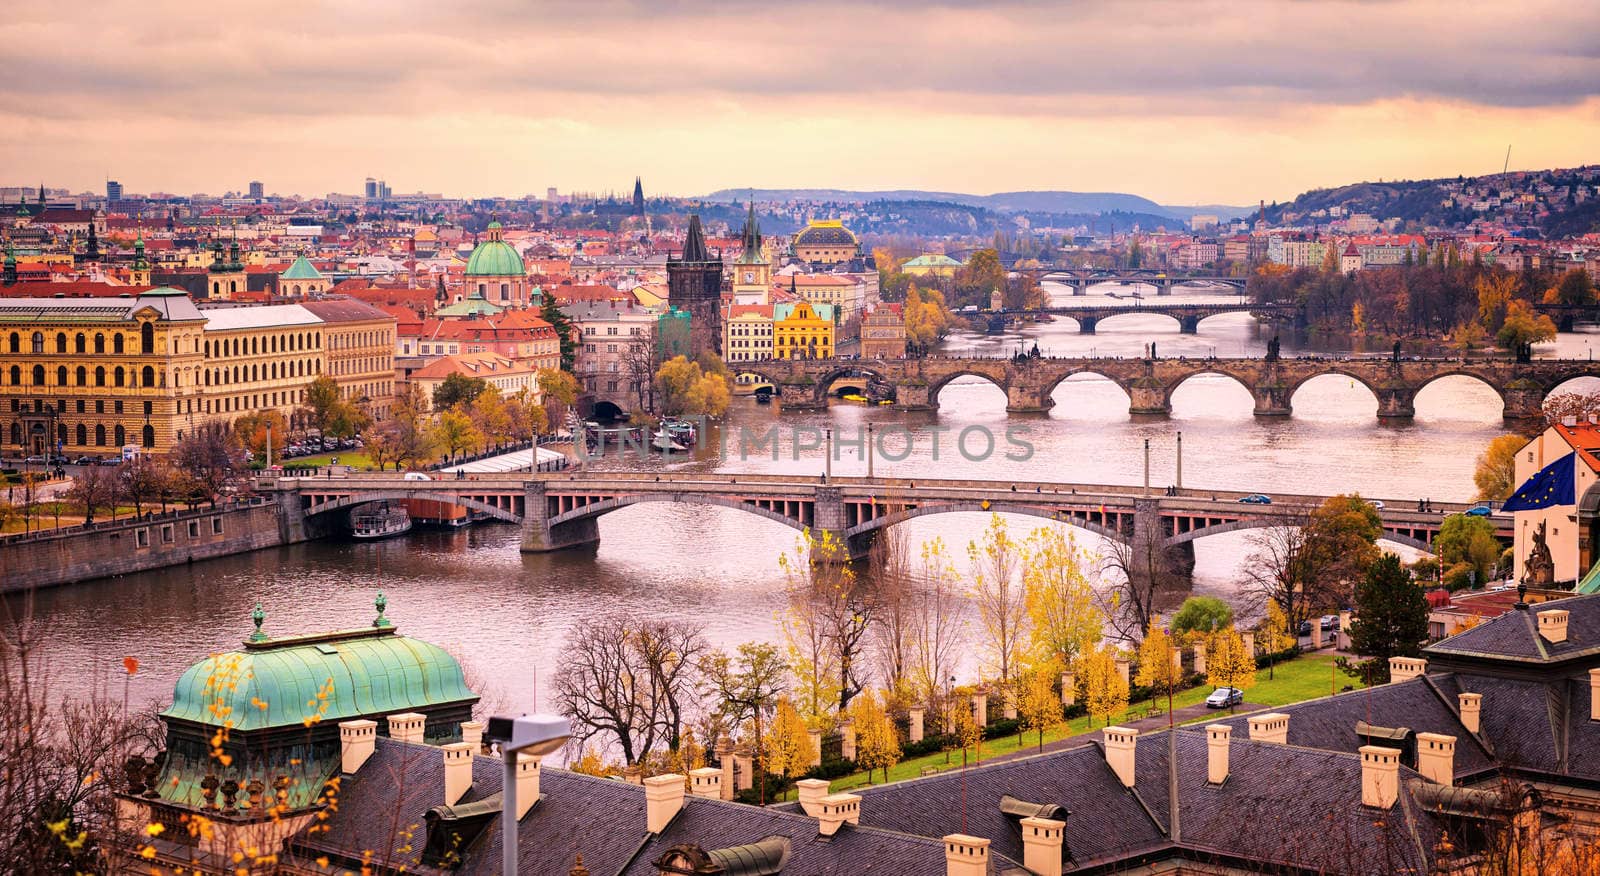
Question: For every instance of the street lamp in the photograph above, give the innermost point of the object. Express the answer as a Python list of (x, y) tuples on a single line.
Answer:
[(537, 735)]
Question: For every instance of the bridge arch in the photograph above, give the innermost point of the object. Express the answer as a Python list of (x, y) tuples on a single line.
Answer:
[(1268, 522), (854, 371), (1335, 371), (366, 496), (605, 506), (866, 528), (1559, 383), (1499, 391), (944, 380), (1177, 384), (1048, 391)]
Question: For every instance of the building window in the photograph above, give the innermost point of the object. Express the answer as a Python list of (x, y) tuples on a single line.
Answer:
[(78, 343), (38, 342), (117, 346), (194, 529), (141, 537), (216, 525), (121, 435), (166, 533), (147, 338)]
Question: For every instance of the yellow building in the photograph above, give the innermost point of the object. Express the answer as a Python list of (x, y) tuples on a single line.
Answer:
[(802, 330), (826, 241), (747, 333), (97, 373), (360, 352), (259, 359), (935, 264)]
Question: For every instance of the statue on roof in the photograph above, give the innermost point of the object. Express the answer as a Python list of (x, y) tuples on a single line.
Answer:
[(1538, 570)]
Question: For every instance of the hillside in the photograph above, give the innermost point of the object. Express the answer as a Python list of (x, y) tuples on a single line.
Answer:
[(1560, 202), (1039, 202)]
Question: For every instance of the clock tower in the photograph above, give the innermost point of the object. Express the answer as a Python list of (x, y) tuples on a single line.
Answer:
[(752, 273)]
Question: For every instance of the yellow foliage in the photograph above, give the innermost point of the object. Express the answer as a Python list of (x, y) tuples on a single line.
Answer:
[(1228, 663), (1104, 692)]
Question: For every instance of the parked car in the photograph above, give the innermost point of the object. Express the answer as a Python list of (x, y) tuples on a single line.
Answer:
[(34, 460), (86, 460), (1256, 499), (1330, 622), (1305, 628), (417, 476), (1375, 503), (1224, 697), (1478, 511), (109, 460)]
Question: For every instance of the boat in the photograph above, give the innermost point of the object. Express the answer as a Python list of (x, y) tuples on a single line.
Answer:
[(379, 520), (663, 441), (678, 430), (763, 398), (854, 397)]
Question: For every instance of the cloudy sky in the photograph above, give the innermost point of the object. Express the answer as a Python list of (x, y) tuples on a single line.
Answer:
[(1189, 101)]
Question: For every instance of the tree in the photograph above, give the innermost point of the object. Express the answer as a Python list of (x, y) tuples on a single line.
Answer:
[(1310, 560), (142, 479), (877, 743), (455, 433), (526, 419), (211, 457), (1158, 669), (1104, 692), (1038, 705), (1201, 615), (559, 390), (1574, 289), (1000, 597), (1141, 577), (927, 319), (1579, 406), (1228, 662), (1391, 619), (1464, 538), (684, 389), (1273, 636), (490, 415), (938, 626), (1496, 471), (1524, 326), (259, 429), (1064, 617), (552, 313), (789, 742), (93, 488), (619, 682), (745, 686), (457, 389), (405, 437), (889, 570), (966, 726), (830, 612), (322, 398)]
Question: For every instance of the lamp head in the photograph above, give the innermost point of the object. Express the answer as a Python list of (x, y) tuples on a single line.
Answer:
[(536, 735)]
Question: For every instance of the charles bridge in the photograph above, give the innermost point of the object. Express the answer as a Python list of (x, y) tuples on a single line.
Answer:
[(1079, 280), (1150, 382), (561, 510), (1188, 316)]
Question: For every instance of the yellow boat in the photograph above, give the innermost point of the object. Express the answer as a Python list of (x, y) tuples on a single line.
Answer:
[(855, 398)]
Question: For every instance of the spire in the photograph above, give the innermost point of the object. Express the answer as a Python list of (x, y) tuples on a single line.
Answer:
[(41, 196), (92, 251), (694, 246), (638, 197), (752, 238)]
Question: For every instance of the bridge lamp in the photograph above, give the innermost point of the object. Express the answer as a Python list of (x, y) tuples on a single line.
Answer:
[(536, 735)]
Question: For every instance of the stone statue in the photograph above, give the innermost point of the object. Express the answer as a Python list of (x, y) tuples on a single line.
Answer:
[(1396, 351), (1272, 349), (1538, 570)]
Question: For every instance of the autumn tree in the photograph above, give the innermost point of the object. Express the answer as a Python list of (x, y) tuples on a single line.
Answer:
[(1064, 617), (141, 480), (94, 487), (1496, 290), (1313, 558), (1158, 669), (625, 683), (877, 742), (1523, 325), (1105, 693), (830, 612), (890, 575), (490, 415), (1228, 662), (455, 433), (1391, 620), (211, 456), (559, 391), (966, 727), (683, 388), (1465, 538), (1038, 704), (1580, 406), (259, 430), (1273, 634), (745, 686), (938, 626), (1495, 473), (1000, 598), (788, 744), (927, 319), (1574, 289)]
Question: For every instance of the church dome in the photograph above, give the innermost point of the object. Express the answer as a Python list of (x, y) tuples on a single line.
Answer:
[(495, 258), (825, 233)]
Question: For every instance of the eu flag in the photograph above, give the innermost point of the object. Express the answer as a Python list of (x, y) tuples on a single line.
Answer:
[(1552, 485)]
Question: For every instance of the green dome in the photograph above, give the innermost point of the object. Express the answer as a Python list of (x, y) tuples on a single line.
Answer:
[(163, 292), (495, 258), (271, 683)]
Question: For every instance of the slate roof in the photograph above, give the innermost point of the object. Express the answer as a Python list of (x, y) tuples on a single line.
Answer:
[(603, 819), (1514, 636)]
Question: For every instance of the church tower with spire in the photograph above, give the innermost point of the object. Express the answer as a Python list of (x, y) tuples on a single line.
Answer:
[(139, 272), (638, 196), (694, 284), (752, 271)]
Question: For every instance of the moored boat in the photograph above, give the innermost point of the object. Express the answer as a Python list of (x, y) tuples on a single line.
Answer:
[(379, 520)]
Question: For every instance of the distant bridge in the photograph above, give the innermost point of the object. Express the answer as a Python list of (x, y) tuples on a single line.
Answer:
[(561, 510), (1079, 281), (1150, 383), (1188, 316)]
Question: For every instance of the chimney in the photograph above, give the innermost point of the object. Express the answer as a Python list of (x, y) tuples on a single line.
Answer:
[(1069, 689), (1042, 839), (1436, 757), (1594, 695), (1200, 658), (457, 771), (406, 727), (1120, 742), (706, 782), (1553, 625), (1380, 776), (356, 741), (837, 810), (472, 734), (1472, 708), (1406, 668), (1271, 727), (527, 783), (811, 792), (966, 855), (1217, 736), (663, 797)]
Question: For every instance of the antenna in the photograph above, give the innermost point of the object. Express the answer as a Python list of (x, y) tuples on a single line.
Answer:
[(1507, 165)]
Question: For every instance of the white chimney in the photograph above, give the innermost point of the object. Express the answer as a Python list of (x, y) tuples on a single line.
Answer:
[(1120, 743), (663, 797), (1042, 839), (966, 855), (706, 782), (1553, 625), (1380, 776), (811, 792), (527, 783), (1436, 757), (356, 742), (1271, 727), (406, 727), (457, 770), (1472, 708), (816, 746), (1406, 668), (1594, 694), (1217, 736), (838, 810), (1069, 689), (472, 734)]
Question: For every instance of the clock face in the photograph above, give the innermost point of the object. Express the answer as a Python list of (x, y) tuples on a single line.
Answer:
[(749, 277)]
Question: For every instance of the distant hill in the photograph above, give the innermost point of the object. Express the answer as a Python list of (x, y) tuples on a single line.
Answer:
[(1089, 203)]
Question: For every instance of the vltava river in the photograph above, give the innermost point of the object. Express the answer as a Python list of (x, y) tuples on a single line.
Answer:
[(506, 614)]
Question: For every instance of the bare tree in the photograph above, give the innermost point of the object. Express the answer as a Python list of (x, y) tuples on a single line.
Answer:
[(832, 609), (1143, 578), (938, 625), (889, 570), (93, 488), (629, 683)]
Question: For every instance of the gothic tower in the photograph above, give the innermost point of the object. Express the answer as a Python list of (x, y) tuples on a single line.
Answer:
[(638, 197), (694, 284), (752, 272)]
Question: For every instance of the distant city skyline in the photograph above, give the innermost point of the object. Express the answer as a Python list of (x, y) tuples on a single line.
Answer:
[(1182, 103)]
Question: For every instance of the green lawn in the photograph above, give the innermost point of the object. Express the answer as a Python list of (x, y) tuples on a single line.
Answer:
[(356, 459), (1303, 678)]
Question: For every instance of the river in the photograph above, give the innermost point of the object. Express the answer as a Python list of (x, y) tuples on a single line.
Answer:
[(506, 614)]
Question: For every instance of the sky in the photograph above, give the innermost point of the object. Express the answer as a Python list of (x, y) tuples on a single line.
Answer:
[(1184, 102)]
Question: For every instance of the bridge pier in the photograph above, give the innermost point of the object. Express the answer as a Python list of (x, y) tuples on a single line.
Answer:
[(1524, 402), (1163, 287), (913, 395), (802, 395), (538, 536), (1148, 395), (1027, 400), (1086, 324), (1396, 402), (1189, 325), (1271, 398)]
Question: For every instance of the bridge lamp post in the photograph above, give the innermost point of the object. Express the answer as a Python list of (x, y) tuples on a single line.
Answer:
[(871, 451), (827, 452), (1147, 468), (535, 735)]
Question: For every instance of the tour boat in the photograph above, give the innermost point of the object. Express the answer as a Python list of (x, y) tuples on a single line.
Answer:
[(663, 441), (681, 431), (379, 521)]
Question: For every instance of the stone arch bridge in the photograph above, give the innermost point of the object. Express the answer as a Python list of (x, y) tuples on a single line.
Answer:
[(1150, 383), (1079, 281), (1188, 316), (561, 510)]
